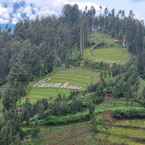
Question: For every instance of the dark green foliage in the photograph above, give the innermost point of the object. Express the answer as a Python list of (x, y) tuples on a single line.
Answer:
[(60, 107), (127, 83), (28, 110), (63, 106), (99, 125), (141, 98), (117, 69), (133, 113), (33, 132), (16, 86)]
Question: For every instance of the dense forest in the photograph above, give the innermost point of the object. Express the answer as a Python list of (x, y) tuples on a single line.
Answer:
[(37, 47)]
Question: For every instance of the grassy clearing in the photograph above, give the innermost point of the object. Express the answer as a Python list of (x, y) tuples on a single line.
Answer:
[(36, 94), (111, 52), (75, 76), (81, 77), (107, 55)]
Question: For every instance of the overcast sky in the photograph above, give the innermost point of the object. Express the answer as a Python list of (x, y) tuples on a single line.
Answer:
[(54, 6)]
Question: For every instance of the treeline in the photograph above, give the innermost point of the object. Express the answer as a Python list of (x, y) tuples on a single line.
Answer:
[(44, 43), (55, 41)]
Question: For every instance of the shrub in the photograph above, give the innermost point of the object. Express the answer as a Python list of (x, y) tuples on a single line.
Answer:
[(63, 107), (30, 132), (132, 113)]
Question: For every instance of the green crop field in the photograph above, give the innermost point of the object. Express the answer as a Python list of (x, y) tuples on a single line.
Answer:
[(79, 77), (110, 52), (126, 132), (36, 94), (108, 55)]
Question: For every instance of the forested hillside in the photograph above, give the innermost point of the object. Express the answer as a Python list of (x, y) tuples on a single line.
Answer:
[(80, 72)]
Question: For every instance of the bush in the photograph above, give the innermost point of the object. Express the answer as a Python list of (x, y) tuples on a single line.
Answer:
[(30, 132), (132, 113), (97, 65), (64, 107)]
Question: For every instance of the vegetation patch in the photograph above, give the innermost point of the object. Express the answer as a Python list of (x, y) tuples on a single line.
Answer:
[(36, 94), (107, 55), (137, 123), (103, 48), (102, 38), (129, 113), (81, 77), (62, 120), (62, 82)]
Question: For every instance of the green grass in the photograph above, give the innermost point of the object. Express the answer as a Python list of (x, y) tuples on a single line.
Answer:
[(132, 123), (36, 94), (127, 132), (112, 52), (125, 136), (115, 105), (101, 37), (81, 77), (121, 140), (107, 55)]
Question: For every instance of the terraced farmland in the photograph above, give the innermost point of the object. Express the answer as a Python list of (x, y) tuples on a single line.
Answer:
[(127, 132), (36, 94), (81, 134), (62, 82), (76, 76)]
